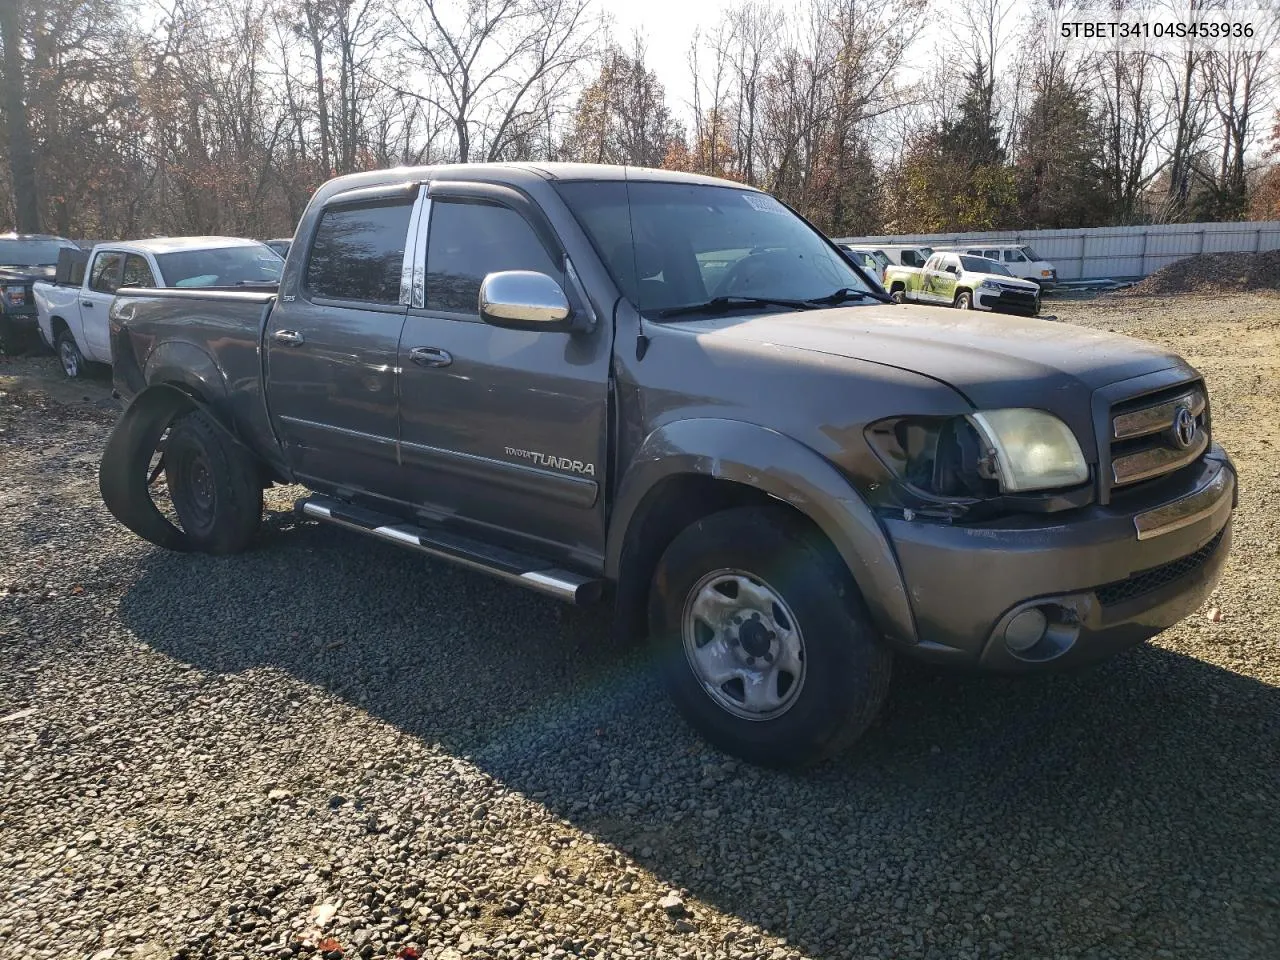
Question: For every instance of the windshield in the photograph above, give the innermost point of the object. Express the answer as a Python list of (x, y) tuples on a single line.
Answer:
[(983, 265), (221, 266), (1030, 254), (32, 253), (670, 245)]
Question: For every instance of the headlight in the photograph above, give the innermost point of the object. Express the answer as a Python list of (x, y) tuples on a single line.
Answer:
[(1034, 449), (989, 285), (980, 456)]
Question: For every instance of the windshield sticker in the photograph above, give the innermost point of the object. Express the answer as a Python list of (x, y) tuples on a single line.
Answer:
[(764, 203)]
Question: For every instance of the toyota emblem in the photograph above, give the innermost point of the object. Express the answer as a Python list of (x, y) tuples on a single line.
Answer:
[(1184, 427)]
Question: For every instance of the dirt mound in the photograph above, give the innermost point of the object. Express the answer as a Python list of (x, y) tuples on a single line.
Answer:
[(1213, 273)]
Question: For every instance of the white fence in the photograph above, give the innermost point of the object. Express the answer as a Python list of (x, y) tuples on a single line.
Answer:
[(1116, 252)]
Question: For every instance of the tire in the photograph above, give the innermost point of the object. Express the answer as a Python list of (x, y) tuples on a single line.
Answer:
[(837, 683), (898, 296), (214, 484), (964, 300), (70, 359)]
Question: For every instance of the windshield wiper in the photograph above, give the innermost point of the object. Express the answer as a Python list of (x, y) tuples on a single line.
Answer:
[(843, 294), (718, 305)]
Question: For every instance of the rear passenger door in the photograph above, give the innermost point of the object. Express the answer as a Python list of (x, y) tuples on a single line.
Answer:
[(502, 431), (331, 347)]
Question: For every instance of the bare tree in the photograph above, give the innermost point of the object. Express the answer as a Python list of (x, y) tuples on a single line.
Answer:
[(21, 158), (496, 66)]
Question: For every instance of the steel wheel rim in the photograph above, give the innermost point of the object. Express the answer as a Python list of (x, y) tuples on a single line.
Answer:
[(743, 644), (70, 363), (197, 493)]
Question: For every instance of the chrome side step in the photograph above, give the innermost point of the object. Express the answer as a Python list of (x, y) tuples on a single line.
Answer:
[(517, 568)]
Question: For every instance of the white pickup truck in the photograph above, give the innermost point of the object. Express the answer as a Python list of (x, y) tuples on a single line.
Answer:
[(72, 311), (969, 283)]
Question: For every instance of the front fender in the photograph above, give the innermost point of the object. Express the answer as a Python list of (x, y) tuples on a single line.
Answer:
[(775, 464)]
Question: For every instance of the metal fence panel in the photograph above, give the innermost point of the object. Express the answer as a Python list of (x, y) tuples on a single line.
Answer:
[(1119, 252)]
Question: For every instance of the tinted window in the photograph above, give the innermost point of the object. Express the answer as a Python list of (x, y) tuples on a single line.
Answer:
[(1013, 256), (1030, 254), (136, 272), (31, 253), (105, 276), (910, 258), (467, 241), (359, 251)]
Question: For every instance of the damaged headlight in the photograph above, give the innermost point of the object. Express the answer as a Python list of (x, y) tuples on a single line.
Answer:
[(1034, 450), (980, 456)]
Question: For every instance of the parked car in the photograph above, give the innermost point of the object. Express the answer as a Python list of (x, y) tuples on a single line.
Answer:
[(280, 245), (873, 261), (547, 374), (72, 314), (24, 259), (1018, 258), (969, 283)]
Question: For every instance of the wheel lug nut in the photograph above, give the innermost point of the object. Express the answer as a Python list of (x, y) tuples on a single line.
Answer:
[(751, 661), (768, 657)]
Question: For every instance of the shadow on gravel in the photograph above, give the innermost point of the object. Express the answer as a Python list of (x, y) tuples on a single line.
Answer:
[(1120, 809)]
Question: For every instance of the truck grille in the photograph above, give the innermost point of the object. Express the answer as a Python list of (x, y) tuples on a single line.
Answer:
[(1158, 434), (1157, 577)]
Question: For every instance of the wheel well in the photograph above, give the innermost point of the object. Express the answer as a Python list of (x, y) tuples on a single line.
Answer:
[(896, 286), (57, 325), (671, 506), (960, 290)]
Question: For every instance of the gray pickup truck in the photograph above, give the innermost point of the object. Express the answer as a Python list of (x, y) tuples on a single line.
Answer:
[(673, 391)]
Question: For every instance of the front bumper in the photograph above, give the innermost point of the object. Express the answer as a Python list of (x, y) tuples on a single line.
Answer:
[(1100, 586), (1027, 304)]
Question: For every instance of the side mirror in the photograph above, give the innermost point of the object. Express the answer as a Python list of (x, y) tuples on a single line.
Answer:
[(951, 268), (524, 300)]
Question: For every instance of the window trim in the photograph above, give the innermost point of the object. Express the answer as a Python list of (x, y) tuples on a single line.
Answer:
[(348, 198), (119, 270)]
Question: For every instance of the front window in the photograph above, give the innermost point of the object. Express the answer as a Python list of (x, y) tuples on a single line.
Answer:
[(982, 265), (1029, 253), (221, 266), (32, 253), (670, 245)]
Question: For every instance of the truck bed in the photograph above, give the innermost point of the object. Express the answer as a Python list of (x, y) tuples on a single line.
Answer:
[(209, 339)]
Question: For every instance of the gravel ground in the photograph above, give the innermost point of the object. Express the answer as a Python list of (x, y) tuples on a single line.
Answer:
[(327, 745)]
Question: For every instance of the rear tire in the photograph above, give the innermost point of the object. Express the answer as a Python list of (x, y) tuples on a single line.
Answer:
[(964, 300), (214, 485), (70, 359), (898, 296), (752, 595)]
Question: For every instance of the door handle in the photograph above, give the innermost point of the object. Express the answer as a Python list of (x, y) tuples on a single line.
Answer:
[(86, 303), (430, 357), (291, 338)]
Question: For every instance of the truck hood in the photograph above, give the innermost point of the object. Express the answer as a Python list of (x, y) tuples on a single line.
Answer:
[(993, 360), (1012, 282)]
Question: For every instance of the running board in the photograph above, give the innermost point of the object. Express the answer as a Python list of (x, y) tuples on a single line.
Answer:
[(518, 568)]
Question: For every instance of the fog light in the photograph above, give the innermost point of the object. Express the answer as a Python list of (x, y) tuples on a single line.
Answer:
[(1025, 630)]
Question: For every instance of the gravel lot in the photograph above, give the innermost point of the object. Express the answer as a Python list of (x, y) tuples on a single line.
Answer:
[(328, 745)]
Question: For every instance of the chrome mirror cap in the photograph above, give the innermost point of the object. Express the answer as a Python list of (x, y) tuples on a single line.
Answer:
[(525, 300)]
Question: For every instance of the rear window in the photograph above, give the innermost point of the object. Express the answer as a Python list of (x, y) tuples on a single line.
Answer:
[(31, 253), (221, 266), (359, 251)]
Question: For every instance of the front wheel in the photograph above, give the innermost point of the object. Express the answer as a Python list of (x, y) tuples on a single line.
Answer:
[(766, 646), (214, 484), (964, 300)]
